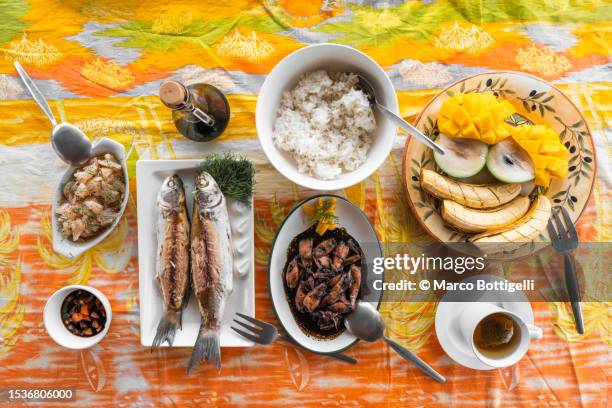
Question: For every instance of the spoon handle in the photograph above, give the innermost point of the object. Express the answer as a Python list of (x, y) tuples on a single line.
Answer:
[(413, 358), (35, 92), (416, 133)]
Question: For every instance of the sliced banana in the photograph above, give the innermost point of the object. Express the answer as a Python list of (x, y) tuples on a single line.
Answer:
[(525, 229), (472, 221), (470, 195)]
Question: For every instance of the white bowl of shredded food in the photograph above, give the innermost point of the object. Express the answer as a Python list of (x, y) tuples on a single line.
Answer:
[(71, 245), (315, 124)]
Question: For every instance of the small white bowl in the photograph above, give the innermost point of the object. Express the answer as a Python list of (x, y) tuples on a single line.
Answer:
[(284, 76), (52, 317), (65, 246)]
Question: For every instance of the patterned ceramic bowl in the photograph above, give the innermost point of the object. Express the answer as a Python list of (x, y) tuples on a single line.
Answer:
[(536, 101)]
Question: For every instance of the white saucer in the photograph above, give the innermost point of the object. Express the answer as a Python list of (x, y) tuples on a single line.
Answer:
[(448, 330)]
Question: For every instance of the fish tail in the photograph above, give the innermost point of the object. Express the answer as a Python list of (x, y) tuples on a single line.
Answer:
[(166, 329), (207, 348)]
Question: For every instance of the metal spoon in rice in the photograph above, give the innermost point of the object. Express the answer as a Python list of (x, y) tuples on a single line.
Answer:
[(365, 86)]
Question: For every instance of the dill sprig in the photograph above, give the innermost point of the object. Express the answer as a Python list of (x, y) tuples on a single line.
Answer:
[(322, 212), (234, 175)]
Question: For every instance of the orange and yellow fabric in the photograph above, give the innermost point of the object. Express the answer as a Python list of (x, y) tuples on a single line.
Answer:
[(100, 64)]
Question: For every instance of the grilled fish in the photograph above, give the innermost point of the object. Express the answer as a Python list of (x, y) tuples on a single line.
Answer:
[(211, 266), (172, 275)]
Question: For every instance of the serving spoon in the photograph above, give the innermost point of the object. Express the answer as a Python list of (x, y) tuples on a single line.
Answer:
[(68, 141), (367, 88), (367, 324)]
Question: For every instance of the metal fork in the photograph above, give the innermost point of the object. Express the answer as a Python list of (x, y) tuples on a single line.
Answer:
[(265, 333), (564, 240)]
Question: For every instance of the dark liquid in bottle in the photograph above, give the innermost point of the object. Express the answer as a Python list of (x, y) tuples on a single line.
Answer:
[(210, 100)]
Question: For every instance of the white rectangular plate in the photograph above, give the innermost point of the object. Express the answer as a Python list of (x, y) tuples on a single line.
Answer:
[(149, 177)]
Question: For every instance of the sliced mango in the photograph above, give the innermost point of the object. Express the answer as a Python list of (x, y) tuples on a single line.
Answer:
[(472, 102), (449, 128), (549, 155), (471, 132), (484, 121), (461, 117), (479, 116)]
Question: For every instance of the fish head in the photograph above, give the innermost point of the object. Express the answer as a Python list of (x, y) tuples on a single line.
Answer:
[(207, 192), (172, 194)]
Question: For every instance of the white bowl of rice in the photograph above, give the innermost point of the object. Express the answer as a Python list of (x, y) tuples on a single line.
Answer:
[(315, 125)]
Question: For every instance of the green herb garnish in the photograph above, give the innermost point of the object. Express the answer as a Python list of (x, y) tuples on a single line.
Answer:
[(234, 175), (323, 212)]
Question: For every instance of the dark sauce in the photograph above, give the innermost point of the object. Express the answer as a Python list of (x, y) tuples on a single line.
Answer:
[(83, 314), (304, 320)]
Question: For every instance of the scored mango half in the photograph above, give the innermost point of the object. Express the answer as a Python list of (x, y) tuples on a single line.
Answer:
[(479, 116), (549, 156)]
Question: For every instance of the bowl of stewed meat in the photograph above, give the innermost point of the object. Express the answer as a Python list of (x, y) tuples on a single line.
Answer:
[(319, 270)]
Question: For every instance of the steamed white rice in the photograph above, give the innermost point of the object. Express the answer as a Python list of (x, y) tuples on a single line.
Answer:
[(325, 123)]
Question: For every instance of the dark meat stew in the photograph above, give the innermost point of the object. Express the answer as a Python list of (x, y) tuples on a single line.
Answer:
[(322, 280)]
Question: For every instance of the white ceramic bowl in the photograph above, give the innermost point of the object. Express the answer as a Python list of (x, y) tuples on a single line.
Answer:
[(52, 316), (67, 247), (284, 76), (359, 227)]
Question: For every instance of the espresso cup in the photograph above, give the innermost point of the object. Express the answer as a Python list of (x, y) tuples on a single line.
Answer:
[(507, 355)]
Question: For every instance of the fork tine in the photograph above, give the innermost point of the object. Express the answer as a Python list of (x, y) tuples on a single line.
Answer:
[(560, 227), (249, 336), (252, 320), (569, 223), (256, 330), (551, 231)]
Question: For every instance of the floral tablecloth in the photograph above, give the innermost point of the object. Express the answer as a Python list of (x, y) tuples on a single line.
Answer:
[(101, 62)]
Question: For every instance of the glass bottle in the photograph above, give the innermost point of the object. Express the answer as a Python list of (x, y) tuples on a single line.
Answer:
[(200, 111)]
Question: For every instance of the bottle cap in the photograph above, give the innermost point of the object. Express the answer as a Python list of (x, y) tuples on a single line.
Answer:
[(172, 94)]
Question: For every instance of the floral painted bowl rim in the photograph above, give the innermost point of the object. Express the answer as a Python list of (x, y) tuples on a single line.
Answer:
[(410, 140)]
